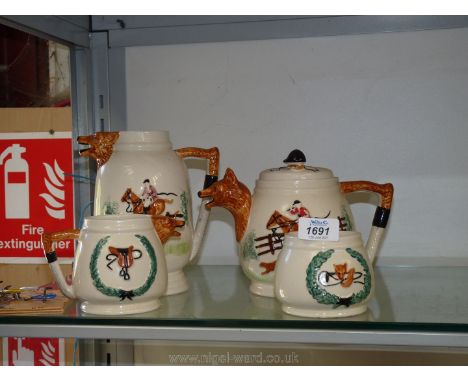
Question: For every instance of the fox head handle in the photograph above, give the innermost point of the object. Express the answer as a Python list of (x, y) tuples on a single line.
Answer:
[(101, 146)]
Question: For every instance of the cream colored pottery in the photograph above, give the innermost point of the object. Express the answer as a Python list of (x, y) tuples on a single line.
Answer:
[(281, 196), (324, 278), (140, 173), (119, 265)]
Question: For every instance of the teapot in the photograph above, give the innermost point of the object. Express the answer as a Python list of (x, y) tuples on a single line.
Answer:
[(140, 173), (119, 265), (281, 196)]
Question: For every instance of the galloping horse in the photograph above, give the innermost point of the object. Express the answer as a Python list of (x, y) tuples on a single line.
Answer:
[(138, 206), (286, 225), (275, 222), (282, 222)]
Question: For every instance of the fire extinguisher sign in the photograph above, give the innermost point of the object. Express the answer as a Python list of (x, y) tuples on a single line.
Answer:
[(36, 194), (19, 351)]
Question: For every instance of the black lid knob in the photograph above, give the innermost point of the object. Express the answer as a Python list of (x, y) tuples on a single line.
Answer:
[(295, 156)]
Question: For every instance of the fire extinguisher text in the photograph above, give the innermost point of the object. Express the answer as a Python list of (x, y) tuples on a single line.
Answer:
[(30, 229)]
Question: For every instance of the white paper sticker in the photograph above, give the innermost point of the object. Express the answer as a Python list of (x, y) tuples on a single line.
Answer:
[(319, 229)]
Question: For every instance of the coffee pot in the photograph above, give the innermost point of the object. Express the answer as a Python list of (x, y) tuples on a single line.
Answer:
[(281, 196), (140, 173)]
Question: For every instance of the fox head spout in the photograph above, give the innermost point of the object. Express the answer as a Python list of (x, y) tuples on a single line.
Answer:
[(233, 195), (101, 146)]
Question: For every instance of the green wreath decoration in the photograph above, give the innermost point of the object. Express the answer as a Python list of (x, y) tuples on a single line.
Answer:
[(324, 297), (122, 293), (365, 291)]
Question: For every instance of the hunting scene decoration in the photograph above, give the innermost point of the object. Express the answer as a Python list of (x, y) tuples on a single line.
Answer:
[(278, 225), (151, 202)]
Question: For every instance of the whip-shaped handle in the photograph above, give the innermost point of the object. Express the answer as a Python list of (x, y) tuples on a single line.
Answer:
[(211, 176), (382, 212), (47, 244)]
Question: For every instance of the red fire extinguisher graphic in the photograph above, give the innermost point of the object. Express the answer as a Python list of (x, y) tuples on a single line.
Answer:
[(16, 172)]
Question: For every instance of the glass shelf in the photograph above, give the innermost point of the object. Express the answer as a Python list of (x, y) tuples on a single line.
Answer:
[(421, 306)]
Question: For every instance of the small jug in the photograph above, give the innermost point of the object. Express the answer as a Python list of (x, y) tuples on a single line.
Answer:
[(119, 266), (324, 278)]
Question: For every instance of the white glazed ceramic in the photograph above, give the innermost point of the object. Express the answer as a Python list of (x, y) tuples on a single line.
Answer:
[(324, 278), (281, 196), (119, 265), (145, 165), (276, 190)]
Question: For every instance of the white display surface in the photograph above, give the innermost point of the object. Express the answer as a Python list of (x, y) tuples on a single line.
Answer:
[(381, 107)]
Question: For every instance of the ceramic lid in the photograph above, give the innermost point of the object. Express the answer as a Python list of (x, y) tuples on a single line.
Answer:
[(296, 169)]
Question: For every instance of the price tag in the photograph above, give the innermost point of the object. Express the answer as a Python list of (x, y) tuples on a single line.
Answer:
[(318, 229)]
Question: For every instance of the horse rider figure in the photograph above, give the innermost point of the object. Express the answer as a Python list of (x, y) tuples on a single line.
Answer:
[(149, 194), (297, 209)]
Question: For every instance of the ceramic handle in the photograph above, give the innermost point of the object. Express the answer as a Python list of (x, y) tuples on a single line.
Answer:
[(211, 176), (382, 212), (213, 161), (47, 244)]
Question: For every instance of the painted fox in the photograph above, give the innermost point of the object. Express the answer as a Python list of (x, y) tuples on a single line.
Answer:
[(346, 277), (165, 226)]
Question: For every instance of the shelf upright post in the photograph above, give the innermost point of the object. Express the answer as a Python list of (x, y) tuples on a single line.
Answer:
[(100, 81), (82, 104)]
